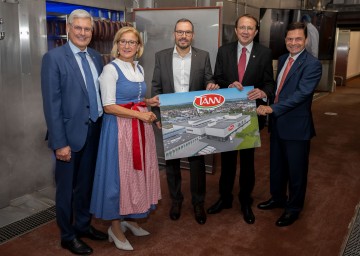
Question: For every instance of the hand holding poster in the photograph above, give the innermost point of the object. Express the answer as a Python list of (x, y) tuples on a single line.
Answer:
[(208, 122)]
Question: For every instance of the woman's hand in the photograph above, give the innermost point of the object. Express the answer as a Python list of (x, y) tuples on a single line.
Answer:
[(153, 102), (147, 117)]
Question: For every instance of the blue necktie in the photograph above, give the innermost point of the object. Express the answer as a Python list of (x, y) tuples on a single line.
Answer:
[(94, 112)]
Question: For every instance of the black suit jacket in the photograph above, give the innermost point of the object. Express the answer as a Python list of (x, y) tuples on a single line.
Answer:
[(258, 73), (163, 78)]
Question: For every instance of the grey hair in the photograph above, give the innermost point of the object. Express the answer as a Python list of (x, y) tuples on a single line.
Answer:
[(80, 13)]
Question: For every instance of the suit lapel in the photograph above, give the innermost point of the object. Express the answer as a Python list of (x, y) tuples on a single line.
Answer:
[(73, 63), (251, 64), (233, 59), (169, 67), (296, 65), (193, 64)]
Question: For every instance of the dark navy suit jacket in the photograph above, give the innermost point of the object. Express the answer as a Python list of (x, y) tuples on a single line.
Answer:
[(65, 97), (292, 116)]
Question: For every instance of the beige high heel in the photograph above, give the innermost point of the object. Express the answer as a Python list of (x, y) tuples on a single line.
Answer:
[(136, 231), (120, 245)]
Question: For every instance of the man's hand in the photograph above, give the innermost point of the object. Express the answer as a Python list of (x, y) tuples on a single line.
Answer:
[(212, 86), (236, 84), (158, 124), (256, 94), (63, 154), (263, 110)]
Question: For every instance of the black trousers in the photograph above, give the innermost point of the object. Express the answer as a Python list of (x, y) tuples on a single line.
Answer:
[(246, 178), (289, 163), (74, 182), (197, 179)]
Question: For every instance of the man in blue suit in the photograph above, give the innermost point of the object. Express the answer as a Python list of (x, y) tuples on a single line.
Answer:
[(291, 125), (72, 109)]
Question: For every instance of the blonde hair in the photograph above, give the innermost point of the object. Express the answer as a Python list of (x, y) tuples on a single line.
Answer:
[(115, 52)]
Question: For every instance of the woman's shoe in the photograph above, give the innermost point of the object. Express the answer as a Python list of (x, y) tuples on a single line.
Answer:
[(136, 231), (120, 245)]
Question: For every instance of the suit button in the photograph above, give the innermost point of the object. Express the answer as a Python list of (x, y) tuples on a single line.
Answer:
[(87, 106), (87, 122)]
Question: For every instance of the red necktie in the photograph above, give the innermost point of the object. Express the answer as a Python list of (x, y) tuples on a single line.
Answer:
[(287, 69), (242, 64)]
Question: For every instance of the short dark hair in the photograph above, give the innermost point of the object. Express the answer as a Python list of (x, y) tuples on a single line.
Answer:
[(296, 25), (184, 20), (247, 16)]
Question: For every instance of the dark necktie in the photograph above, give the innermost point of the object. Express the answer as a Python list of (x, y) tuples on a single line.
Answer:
[(242, 64), (287, 69), (94, 112)]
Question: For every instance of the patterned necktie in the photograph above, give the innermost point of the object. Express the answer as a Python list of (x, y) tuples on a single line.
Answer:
[(287, 69), (242, 64), (94, 112)]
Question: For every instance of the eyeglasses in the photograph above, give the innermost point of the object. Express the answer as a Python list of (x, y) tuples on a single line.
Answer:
[(131, 43), (79, 29), (296, 39), (180, 33), (247, 28)]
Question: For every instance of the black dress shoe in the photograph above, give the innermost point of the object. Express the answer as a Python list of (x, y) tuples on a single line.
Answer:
[(218, 206), (270, 204), (248, 214), (77, 246), (286, 219), (175, 211), (200, 215), (94, 234)]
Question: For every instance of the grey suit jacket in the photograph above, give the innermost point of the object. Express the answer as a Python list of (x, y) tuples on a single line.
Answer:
[(163, 79)]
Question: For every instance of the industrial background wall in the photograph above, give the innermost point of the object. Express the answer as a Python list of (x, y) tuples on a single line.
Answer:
[(26, 164)]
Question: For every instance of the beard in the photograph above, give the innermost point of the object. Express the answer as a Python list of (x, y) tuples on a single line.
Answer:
[(183, 46)]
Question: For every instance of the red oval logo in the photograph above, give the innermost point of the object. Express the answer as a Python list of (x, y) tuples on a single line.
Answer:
[(209, 101), (231, 127)]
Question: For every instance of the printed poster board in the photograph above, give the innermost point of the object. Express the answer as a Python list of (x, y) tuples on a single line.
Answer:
[(208, 122)]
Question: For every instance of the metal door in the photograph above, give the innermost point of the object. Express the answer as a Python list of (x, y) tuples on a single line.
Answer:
[(342, 53)]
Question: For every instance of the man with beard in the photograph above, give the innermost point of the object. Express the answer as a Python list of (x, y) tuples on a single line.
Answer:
[(183, 68)]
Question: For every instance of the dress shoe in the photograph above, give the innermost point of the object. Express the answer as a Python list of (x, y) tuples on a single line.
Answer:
[(218, 206), (77, 246), (137, 231), (94, 234), (270, 204), (286, 219), (175, 210), (120, 245), (200, 215), (248, 214)]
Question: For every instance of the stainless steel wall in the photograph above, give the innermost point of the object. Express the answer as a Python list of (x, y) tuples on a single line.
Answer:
[(26, 164), (25, 161)]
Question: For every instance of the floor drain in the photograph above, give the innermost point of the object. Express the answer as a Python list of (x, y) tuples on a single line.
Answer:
[(352, 244), (27, 224)]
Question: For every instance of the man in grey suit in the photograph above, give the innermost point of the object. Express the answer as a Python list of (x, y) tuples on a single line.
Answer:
[(73, 110), (183, 68)]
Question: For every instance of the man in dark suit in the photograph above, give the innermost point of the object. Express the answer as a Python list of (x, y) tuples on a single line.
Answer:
[(72, 109), (183, 68), (238, 64), (291, 125)]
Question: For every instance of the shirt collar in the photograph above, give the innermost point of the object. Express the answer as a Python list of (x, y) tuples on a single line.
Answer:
[(75, 49), (295, 56), (176, 52), (248, 47)]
